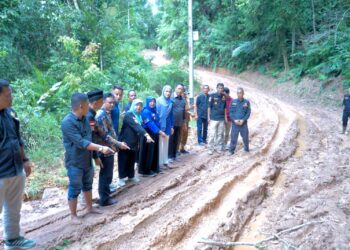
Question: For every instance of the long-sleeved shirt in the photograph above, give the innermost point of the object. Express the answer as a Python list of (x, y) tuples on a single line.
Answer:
[(11, 162), (131, 131), (105, 132), (115, 117), (202, 102), (92, 121), (150, 121), (76, 138), (240, 110)]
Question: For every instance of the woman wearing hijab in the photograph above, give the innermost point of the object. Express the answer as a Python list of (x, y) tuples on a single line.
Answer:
[(149, 160), (166, 119), (131, 133)]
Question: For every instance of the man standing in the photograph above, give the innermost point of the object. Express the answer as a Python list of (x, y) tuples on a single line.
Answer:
[(239, 113), (185, 125), (179, 106), (346, 111), (95, 103), (216, 119), (78, 145), (131, 97), (201, 115), (228, 122), (118, 95), (107, 136), (14, 167)]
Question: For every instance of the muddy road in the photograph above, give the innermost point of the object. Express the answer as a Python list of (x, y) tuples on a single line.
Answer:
[(298, 171)]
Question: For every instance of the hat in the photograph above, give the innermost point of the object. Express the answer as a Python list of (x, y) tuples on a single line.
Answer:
[(95, 95)]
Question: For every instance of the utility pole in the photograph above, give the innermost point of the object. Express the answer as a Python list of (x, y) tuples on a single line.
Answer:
[(190, 50)]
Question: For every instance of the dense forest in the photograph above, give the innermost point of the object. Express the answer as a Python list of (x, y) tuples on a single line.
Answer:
[(51, 48)]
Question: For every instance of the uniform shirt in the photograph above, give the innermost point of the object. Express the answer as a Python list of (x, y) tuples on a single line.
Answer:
[(179, 109), (115, 117), (217, 105), (11, 162), (76, 138), (202, 102), (131, 131), (346, 103), (105, 132), (240, 110), (150, 121), (92, 121), (228, 104)]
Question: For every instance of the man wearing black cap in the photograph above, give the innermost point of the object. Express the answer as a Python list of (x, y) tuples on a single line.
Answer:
[(107, 136)]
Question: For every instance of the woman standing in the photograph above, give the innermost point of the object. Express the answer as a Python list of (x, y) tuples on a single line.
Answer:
[(166, 118), (131, 133), (149, 160)]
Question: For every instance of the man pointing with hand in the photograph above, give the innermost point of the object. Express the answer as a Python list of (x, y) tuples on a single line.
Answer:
[(77, 141)]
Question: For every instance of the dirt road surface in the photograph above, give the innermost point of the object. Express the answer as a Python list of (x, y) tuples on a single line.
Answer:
[(297, 172)]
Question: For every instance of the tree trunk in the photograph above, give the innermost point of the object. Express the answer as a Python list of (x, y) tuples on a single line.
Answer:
[(293, 40), (76, 5), (313, 17), (285, 58)]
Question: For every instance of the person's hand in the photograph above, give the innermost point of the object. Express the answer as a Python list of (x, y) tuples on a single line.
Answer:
[(196, 116), (124, 146), (107, 150), (28, 167), (162, 134), (237, 122), (172, 131), (149, 139), (208, 121), (98, 162)]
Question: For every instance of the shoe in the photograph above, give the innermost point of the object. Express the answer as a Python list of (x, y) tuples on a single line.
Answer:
[(184, 151), (109, 202), (230, 152), (343, 131), (19, 243), (201, 144), (134, 180), (121, 183), (246, 151), (151, 174), (228, 147), (170, 160), (113, 187), (210, 152)]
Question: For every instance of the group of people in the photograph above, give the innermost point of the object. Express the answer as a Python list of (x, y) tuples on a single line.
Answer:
[(151, 137)]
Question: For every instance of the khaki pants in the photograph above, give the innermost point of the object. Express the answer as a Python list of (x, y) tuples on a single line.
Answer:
[(183, 136), (228, 126), (216, 135), (11, 195)]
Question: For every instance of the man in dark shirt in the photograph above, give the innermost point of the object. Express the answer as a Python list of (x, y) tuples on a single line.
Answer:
[(239, 112), (78, 145), (14, 167), (216, 119), (179, 109), (201, 115), (131, 96), (106, 136), (346, 111)]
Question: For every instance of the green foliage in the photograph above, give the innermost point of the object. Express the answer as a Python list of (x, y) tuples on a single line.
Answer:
[(242, 34)]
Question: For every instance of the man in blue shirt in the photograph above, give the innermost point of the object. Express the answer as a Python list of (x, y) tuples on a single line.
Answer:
[(118, 92), (14, 167), (239, 113), (78, 145), (201, 114)]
